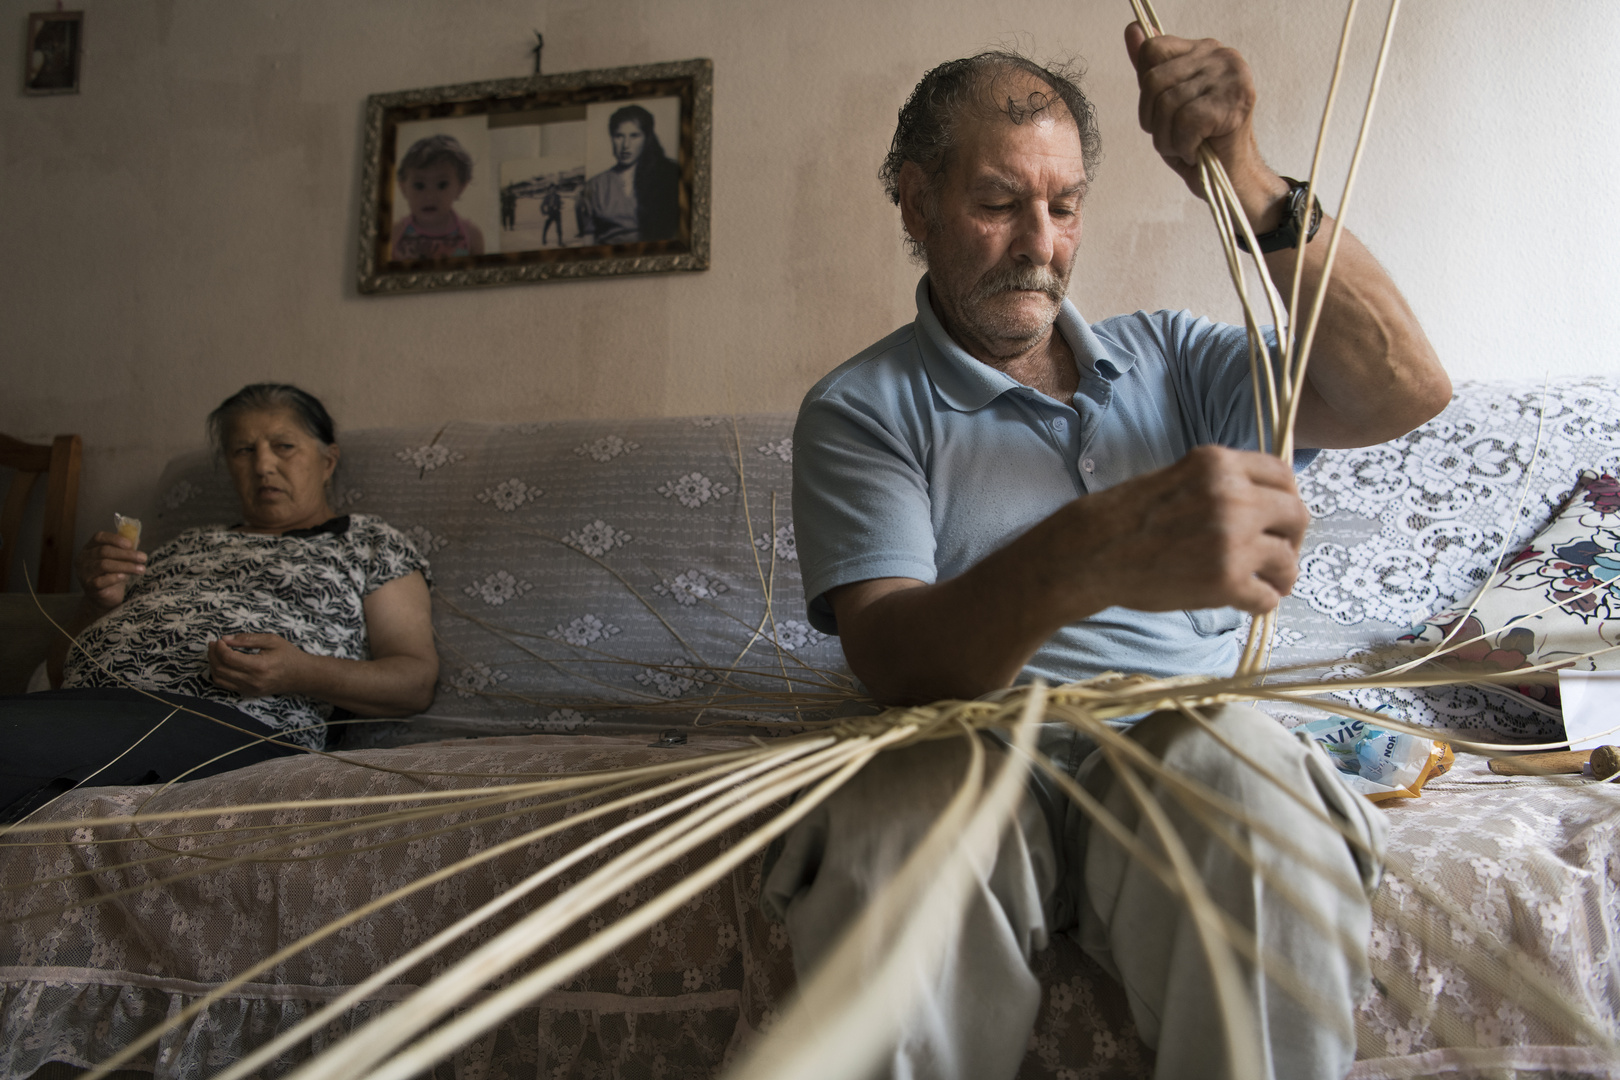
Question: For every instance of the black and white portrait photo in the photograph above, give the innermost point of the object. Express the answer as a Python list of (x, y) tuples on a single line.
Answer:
[(632, 194)]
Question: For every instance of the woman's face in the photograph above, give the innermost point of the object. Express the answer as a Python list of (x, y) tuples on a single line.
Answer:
[(628, 142), (280, 471)]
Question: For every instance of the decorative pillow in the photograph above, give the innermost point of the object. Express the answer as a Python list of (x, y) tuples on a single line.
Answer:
[(1553, 602)]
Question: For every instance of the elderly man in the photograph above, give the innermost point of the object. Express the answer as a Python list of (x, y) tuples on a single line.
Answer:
[(1000, 491)]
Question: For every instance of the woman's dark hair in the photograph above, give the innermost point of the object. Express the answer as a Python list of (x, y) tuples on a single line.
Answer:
[(312, 415), (657, 178), (927, 129)]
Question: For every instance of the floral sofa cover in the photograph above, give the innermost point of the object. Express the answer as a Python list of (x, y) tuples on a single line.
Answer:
[(590, 576), (613, 592)]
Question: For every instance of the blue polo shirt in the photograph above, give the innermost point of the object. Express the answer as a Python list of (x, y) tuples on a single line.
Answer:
[(915, 460)]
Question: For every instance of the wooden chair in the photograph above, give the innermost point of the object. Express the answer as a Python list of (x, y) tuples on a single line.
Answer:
[(60, 462)]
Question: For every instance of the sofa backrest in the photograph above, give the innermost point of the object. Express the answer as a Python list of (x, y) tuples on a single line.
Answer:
[(589, 574), (592, 574)]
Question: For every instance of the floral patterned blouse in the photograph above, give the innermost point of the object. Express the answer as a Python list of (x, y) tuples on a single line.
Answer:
[(309, 586)]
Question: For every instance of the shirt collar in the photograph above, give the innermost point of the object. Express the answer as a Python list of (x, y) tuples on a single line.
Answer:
[(334, 526), (967, 384)]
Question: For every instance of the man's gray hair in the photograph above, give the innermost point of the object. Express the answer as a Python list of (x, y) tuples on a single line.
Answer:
[(927, 129)]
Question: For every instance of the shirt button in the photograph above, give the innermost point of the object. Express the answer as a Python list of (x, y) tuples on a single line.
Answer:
[(1059, 424), (1089, 465)]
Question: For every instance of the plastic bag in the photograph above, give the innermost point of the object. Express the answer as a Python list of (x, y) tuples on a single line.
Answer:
[(1377, 763)]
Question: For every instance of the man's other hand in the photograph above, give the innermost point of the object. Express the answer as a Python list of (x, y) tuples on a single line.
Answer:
[(1218, 528)]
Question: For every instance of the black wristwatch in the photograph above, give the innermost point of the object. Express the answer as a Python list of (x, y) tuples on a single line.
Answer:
[(1287, 234)]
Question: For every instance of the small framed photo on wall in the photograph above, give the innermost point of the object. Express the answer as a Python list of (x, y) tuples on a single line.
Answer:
[(554, 176), (51, 49)]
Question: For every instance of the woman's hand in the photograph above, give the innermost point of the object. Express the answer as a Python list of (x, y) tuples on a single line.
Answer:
[(106, 565), (275, 666), (398, 680)]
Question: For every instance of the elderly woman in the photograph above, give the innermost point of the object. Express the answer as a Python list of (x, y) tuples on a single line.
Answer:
[(264, 627)]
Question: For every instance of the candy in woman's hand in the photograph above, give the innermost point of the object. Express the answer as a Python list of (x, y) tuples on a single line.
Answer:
[(129, 528)]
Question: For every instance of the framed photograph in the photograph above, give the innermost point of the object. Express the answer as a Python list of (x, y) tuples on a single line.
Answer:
[(553, 176), (51, 49)]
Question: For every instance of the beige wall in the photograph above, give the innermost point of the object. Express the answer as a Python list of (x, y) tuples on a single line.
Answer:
[(185, 225)]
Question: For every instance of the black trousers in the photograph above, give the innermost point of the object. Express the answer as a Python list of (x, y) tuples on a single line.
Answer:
[(53, 741)]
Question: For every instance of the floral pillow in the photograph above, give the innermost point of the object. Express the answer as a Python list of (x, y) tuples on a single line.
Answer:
[(1554, 602)]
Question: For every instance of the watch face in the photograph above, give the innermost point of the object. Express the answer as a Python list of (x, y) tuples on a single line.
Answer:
[(1294, 223), (1304, 215), (1314, 221), (1296, 216)]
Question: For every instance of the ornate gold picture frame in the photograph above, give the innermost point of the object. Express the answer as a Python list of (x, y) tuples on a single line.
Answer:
[(554, 176)]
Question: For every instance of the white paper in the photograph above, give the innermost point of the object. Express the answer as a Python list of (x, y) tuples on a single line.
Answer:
[(1591, 706)]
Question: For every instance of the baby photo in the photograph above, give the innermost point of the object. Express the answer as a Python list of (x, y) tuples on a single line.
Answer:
[(441, 191)]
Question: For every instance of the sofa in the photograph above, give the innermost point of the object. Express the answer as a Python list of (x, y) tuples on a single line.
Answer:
[(616, 592)]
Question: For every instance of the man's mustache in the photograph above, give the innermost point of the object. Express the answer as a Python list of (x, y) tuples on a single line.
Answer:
[(1040, 279)]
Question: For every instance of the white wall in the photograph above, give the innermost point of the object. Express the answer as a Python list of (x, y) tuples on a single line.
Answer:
[(185, 224)]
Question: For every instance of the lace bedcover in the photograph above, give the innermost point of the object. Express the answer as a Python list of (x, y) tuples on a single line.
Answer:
[(1406, 528), (685, 997), (81, 983)]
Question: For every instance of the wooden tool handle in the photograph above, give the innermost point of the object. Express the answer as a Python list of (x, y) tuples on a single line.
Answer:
[(1605, 762), (1558, 761)]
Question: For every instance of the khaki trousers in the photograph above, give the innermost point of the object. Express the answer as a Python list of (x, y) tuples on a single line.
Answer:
[(1055, 873)]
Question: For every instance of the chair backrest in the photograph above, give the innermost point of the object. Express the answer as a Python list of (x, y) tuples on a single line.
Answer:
[(60, 463)]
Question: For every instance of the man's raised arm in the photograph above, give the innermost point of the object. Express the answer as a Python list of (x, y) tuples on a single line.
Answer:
[(1373, 376)]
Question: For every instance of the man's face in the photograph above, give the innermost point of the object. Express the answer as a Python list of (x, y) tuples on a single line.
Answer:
[(627, 143), (431, 193), (1003, 230)]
